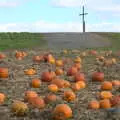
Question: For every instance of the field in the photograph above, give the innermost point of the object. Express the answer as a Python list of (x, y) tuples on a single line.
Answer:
[(26, 61)]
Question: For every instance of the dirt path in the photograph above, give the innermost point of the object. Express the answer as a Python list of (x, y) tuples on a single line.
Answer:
[(75, 40)]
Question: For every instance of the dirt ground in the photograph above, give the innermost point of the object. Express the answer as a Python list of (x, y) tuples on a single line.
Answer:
[(17, 83)]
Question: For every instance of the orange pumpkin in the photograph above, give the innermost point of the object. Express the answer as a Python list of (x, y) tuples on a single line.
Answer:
[(72, 71), (37, 102), (36, 83), (69, 96), (79, 77), (19, 108), (47, 76), (2, 98), (106, 85), (98, 76), (77, 60), (37, 58), (2, 56), (82, 84), (30, 71), (115, 101), (50, 98), (106, 95), (4, 73), (53, 88), (77, 65), (75, 87), (62, 112), (59, 63), (29, 95), (105, 104), (59, 82), (116, 83), (94, 105), (59, 72)]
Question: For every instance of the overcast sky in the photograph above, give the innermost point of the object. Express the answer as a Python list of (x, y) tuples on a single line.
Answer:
[(59, 15)]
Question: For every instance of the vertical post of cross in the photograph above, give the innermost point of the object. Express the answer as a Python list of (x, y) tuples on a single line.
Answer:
[(83, 16)]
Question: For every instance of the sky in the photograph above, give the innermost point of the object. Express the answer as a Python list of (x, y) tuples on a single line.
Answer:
[(59, 15)]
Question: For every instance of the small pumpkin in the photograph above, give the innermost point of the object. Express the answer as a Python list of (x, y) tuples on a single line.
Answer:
[(36, 83), (98, 76), (106, 95), (77, 60), (59, 63), (72, 71), (2, 98), (59, 72), (2, 56), (75, 87), (106, 85), (79, 77), (62, 112), (37, 58), (53, 88), (82, 84), (29, 95), (77, 65), (115, 100), (69, 96), (116, 83), (94, 105), (50, 98), (105, 104), (19, 108), (59, 82), (4, 72), (47, 76), (37, 102), (30, 71)]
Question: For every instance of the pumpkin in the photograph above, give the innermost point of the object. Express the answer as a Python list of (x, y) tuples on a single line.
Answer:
[(75, 87), (72, 71), (51, 60), (53, 88), (65, 51), (47, 76), (106, 85), (116, 83), (77, 65), (105, 104), (62, 112), (50, 98), (19, 108), (66, 84), (59, 82), (47, 57), (59, 63), (79, 77), (59, 72), (36, 83), (82, 84), (114, 61), (4, 72), (29, 95), (69, 96), (106, 95), (30, 71), (77, 60), (37, 58), (94, 105), (2, 56), (37, 102), (115, 100), (98, 76), (2, 98)]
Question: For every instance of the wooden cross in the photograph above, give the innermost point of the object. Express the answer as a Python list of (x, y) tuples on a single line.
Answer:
[(83, 15)]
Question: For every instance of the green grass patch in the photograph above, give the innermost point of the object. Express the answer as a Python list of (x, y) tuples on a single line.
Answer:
[(21, 40)]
